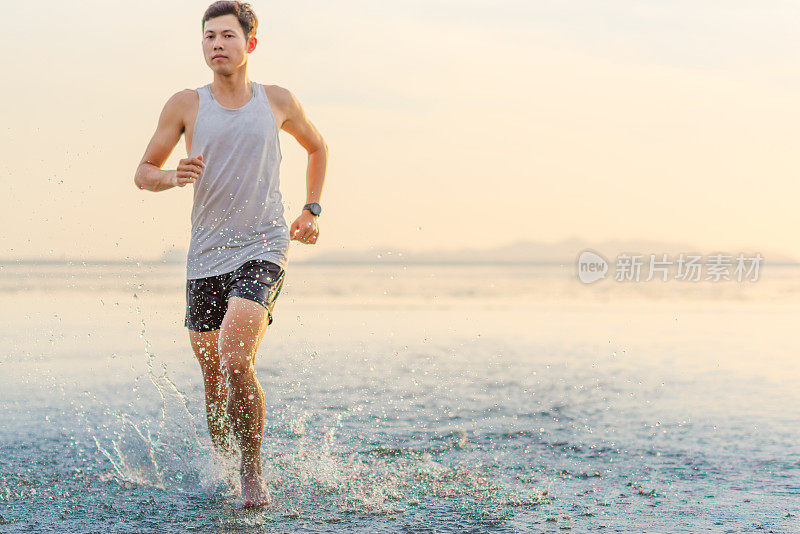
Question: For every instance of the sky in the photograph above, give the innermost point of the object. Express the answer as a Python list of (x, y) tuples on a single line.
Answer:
[(450, 124)]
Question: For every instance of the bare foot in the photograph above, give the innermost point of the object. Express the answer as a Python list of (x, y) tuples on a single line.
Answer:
[(253, 491)]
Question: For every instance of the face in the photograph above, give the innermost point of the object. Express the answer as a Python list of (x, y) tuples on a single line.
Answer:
[(224, 36)]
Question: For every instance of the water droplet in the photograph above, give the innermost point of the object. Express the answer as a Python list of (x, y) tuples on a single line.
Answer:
[(251, 396)]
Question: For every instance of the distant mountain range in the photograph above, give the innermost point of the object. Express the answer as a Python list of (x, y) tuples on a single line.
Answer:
[(565, 252), (523, 251)]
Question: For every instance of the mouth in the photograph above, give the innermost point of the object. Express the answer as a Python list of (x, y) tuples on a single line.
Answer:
[(219, 57)]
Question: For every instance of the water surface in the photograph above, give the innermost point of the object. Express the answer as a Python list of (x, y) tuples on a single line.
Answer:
[(459, 398)]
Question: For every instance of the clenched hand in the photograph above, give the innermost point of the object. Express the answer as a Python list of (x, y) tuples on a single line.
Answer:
[(305, 228), (189, 170)]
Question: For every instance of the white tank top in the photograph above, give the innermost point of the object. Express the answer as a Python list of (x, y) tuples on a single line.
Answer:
[(237, 213)]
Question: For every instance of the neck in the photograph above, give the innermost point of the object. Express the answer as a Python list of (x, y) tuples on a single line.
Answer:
[(235, 86)]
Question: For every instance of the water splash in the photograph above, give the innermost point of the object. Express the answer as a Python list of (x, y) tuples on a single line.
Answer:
[(173, 456)]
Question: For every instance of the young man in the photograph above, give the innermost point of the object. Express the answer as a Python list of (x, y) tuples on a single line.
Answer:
[(238, 251)]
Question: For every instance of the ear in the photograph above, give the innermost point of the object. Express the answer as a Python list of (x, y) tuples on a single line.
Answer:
[(251, 44)]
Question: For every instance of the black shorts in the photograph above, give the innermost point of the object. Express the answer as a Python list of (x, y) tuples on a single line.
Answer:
[(207, 298)]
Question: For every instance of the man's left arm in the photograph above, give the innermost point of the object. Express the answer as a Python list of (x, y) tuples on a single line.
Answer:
[(305, 228)]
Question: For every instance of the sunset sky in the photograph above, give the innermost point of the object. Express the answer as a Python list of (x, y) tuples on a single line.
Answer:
[(450, 123)]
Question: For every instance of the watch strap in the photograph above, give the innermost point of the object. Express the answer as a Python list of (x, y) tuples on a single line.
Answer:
[(310, 207)]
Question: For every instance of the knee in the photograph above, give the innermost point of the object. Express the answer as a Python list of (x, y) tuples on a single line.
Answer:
[(236, 365)]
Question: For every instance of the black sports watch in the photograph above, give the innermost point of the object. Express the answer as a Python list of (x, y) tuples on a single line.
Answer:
[(314, 208)]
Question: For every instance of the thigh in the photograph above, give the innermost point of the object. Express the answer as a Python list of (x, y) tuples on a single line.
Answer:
[(252, 291), (205, 303), (241, 332), (259, 281)]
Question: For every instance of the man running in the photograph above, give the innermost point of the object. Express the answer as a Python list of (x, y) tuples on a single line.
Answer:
[(238, 251)]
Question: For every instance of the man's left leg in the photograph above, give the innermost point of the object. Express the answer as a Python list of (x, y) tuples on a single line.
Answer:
[(240, 335)]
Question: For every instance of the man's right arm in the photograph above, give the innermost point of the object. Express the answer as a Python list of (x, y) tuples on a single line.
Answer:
[(149, 174)]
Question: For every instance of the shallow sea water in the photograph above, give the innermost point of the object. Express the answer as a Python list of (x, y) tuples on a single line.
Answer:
[(408, 398)]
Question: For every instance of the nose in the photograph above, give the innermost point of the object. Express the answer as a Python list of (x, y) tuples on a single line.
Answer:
[(216, 44)]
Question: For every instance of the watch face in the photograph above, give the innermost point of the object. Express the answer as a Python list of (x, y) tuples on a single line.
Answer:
[(315, 208)]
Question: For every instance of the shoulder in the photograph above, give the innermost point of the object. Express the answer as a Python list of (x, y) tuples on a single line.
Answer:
[(183, 98), (178, 107), (181, 102), (283, 99), (283, 102), (279, 95), (292, 118)]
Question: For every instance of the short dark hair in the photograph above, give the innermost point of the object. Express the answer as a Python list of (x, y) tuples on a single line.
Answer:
[(242, 10)]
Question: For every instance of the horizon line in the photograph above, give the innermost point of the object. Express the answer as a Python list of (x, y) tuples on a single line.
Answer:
[(392, 261)]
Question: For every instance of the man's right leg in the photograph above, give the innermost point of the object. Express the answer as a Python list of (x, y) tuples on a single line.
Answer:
[(206, 349)]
